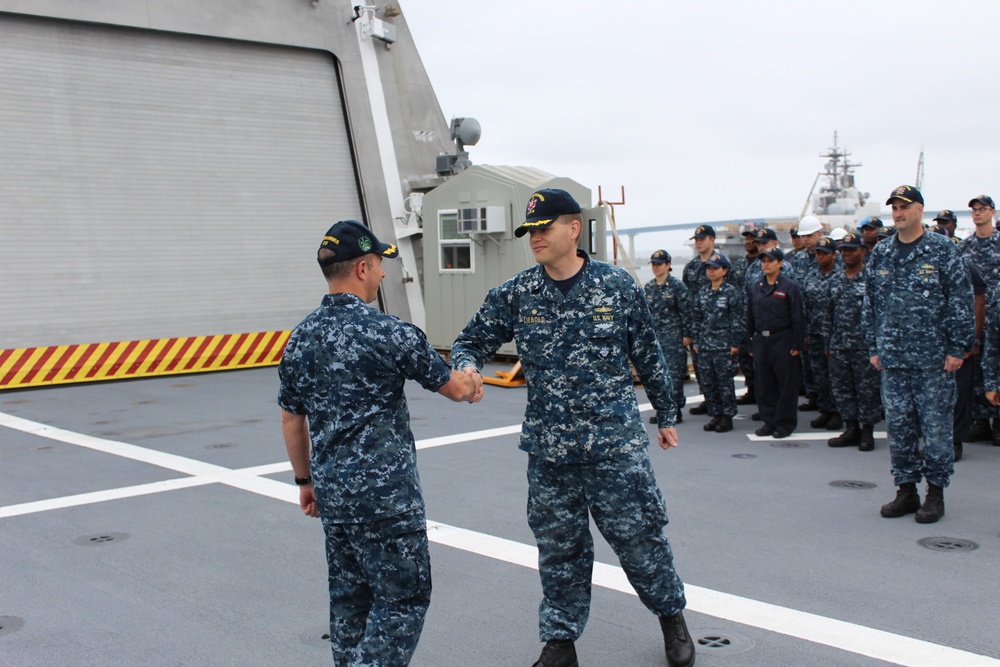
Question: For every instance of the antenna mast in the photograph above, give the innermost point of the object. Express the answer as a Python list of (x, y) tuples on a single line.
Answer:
[(920, 170)]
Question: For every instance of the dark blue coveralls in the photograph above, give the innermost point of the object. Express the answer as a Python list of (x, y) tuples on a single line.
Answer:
[(776, 326)]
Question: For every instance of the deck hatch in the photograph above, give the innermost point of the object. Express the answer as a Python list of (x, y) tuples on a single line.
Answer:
[(852, 484), (10, 624), (718, 642), (97, 539), (947, 544)]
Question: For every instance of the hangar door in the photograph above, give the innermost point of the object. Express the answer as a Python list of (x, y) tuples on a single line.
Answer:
[(156, 185)]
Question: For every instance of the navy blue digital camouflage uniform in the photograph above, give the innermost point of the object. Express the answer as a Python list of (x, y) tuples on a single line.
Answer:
[(344, 367), (854, 382), (738, 278), (985, 254), (918, 309), (669, 306), (991, 342), (972, 366), (816, 298), (586, 443), (694, 278), (801, 265), (718, 324)]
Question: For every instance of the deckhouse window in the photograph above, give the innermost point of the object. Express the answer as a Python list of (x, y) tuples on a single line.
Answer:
[(454, 248)]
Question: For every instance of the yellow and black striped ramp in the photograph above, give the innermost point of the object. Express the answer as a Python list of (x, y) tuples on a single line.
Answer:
[(64, 364)]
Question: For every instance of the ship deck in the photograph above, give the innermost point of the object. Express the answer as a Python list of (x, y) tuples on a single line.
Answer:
[(154, 522)]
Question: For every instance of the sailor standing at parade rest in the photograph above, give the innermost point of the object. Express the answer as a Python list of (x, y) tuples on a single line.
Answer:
[(983, 247), (669, 306), (694, 277), (776, 325), (919, 325)]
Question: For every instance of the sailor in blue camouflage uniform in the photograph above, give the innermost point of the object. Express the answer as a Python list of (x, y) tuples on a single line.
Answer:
[(737, 278), (991, 349), (965, 386), (718, 324), (854, 382), (341, 396), (694, 279), (919, 325), (816, 299), (669, 306), (766, 239), (869, 230), (983, 247), (802, 264), (577, 323)]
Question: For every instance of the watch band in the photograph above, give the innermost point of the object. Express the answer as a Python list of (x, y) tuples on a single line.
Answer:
[(302, 481)]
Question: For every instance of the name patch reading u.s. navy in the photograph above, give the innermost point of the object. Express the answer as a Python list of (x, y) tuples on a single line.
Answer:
[(604, 314)]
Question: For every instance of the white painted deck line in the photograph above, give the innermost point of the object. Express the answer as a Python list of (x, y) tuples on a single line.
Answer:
[(814, 628)]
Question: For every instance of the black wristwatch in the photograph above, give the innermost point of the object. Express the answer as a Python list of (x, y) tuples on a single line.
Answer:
[(302, 481)]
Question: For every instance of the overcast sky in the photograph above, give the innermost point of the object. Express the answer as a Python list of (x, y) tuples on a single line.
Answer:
[(720, 109)]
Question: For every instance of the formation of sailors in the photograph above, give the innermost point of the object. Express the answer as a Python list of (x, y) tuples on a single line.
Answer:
[(851, 321)]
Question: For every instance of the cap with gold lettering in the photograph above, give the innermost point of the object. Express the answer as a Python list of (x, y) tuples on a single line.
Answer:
[(544, 208), (349, 239)]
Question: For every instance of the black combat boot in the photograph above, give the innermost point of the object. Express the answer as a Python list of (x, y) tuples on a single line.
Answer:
[(820, 422), (907, 502), (765, 430), (867, 443), (748, 398), (725, 424), (933, 507), (834, 423), (557, 653), (851, 436), (677, 641), (979, 431), (957, 446), (712, 423), (699, 410)]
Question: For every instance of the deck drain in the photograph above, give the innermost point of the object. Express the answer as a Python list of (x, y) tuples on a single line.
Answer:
[(317, 637), (100, 538), (744, 456), (221, 445), (718, 642), (789, 444), (852, 484), (10, 624), (947, 544)]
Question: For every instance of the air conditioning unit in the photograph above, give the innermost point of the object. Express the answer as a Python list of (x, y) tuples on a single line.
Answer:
[(482, 220)]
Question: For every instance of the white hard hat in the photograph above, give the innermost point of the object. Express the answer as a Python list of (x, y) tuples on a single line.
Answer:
[(809, 225), (838, 233)]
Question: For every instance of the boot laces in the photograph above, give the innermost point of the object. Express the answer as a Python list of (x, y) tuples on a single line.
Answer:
[(675, 629)]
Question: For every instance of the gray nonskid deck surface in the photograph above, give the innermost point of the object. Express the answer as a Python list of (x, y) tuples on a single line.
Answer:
[(213, 574)]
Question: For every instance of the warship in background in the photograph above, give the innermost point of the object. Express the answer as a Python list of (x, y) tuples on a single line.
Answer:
[(838, 202), (834, 198)]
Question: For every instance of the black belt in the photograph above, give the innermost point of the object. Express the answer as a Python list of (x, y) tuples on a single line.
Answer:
[(771, 332)]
